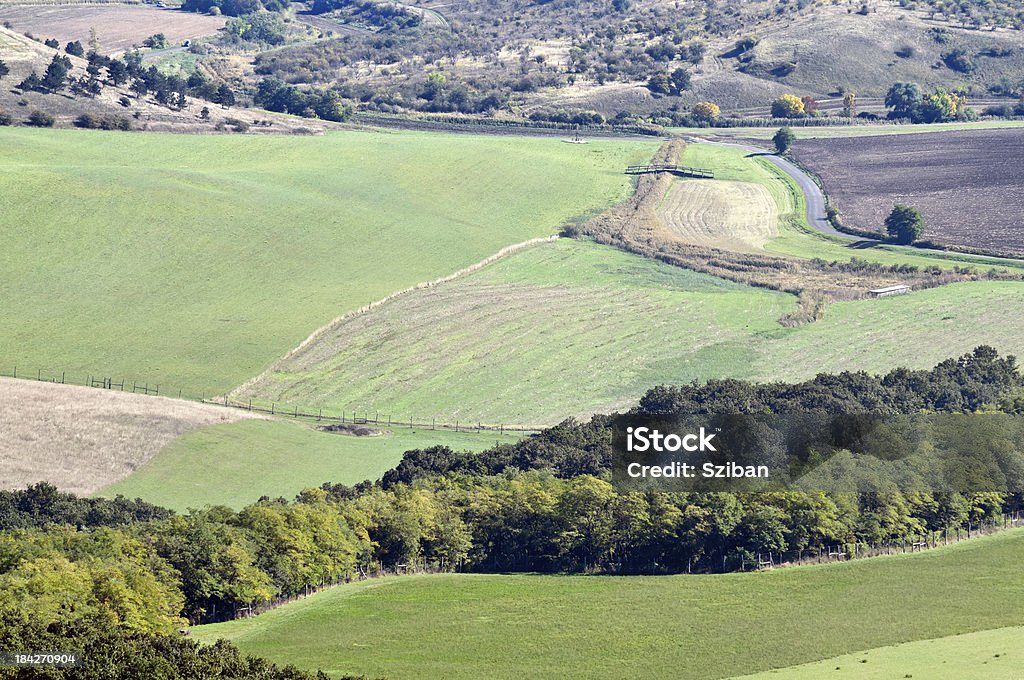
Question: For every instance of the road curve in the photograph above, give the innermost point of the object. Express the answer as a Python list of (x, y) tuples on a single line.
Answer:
[(813, 197), (815, 200)]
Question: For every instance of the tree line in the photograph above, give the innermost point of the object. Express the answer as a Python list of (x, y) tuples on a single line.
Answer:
[(124, 575)]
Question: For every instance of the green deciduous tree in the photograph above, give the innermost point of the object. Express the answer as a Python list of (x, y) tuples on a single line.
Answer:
[(904, 224), (783, 139)]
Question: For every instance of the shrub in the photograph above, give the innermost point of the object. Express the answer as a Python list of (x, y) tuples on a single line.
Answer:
[(706, 111), (40, 119), (958, 60), (788, 106), (783, 139), (91, 122)]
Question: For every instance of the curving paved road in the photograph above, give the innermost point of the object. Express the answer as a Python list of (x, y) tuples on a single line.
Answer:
[(813, 196), (815, 201)]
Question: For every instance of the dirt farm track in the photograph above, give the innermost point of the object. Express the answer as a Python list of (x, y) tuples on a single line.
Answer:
[(967, 184)]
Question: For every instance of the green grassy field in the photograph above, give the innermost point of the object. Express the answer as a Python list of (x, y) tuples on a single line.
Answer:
[(986, 655), (796, 238), (196, 261), (235, 464), (576, 328), (837, 131), (680, 627), (561, 329)]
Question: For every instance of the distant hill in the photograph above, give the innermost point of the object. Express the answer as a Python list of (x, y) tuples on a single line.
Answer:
[(23, 55)]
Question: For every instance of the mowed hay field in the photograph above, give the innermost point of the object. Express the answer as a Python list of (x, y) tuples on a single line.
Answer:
[(562, 329), (572, 328), (81, 439), (795, 237), (196, 261), (679, 627), (237, 463), (986, 655), (722, 214), (118, 27), (967, 184)]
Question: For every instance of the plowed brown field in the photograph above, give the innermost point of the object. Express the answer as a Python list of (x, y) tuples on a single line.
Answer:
[(968, 184)]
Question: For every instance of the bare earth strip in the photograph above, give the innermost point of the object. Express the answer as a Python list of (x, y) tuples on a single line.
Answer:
[(118, 27), (81, 439), (731, 215)]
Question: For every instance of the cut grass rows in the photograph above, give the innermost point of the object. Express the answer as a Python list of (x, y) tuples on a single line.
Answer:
[(679, 627), (562, 329), (739, 216), (576, 328)]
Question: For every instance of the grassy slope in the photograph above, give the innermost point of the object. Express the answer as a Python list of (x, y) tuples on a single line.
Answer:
[(795, 237), (236, 464), (681, 627), (549, 321), (560, 329), (195, 261), (986, 655)]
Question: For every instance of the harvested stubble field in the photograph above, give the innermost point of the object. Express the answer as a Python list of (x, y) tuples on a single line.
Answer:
[(118, 27), (967, 184), (731, 215), (644, 626), (81, 439)]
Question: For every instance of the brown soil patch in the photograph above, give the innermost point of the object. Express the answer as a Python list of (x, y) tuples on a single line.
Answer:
[(968, 184)]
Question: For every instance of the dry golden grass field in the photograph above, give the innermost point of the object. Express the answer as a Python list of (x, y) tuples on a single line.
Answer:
[(731, 215), (119, 27), (81, 439)]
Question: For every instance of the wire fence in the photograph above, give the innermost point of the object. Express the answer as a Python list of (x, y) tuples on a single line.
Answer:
[(320, 416)]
